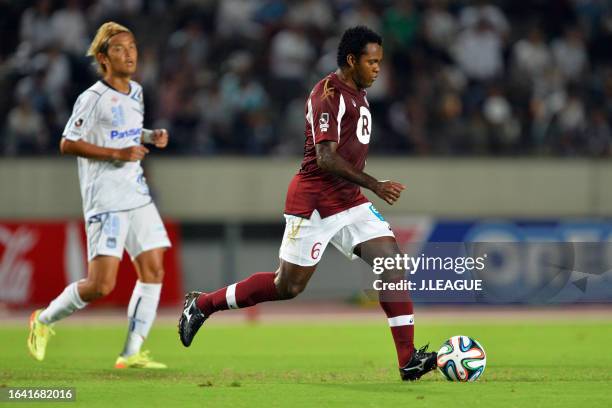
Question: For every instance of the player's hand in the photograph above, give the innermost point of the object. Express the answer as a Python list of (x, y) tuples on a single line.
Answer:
[(389, 191), (133, 153), (160, 138)]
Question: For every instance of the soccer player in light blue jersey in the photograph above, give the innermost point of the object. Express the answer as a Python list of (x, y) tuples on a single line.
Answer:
[(105, 132)]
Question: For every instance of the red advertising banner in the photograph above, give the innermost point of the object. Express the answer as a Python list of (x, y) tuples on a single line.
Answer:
[(38, 259)]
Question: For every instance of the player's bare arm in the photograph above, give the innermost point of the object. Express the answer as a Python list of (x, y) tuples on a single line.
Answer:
[(329, 160), (82, 148)]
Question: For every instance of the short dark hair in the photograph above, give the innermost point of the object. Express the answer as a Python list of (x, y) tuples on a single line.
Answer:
[(354, 41)]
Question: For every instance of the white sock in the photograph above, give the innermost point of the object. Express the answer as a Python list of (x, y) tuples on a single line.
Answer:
[(141, 314), (63, 306), (132, 344)]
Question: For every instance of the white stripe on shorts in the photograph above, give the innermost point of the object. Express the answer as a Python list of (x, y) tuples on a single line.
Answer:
[(404, 320), (230, 296)]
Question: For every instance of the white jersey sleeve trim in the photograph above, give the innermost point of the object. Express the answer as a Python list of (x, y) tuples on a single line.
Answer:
[(341, 110), (309, 116)]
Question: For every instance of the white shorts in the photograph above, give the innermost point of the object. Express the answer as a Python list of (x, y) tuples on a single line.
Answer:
[(305, 239), (137, 230)]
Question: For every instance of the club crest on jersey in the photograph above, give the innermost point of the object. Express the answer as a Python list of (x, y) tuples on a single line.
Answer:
[(324, 122)]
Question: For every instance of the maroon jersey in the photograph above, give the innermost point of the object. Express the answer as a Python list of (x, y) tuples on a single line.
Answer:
[(339, 113)]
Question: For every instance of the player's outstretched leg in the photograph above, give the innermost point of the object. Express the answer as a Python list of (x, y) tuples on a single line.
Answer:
[(288, 281), (199, 306)]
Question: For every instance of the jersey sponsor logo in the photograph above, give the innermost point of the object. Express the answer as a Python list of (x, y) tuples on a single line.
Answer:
[(364, 125), (328, 90), (324, 121), (121, 134)]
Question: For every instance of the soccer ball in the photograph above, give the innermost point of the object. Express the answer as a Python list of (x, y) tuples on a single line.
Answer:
[(461, 358)]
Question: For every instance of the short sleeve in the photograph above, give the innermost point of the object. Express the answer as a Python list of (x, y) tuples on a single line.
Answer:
[(324, 111), (83, 116)]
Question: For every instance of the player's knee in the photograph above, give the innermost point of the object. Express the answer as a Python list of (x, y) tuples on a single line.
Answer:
[(287, 288), (102, 289), (153, 274), (294, 289), (291, 282)]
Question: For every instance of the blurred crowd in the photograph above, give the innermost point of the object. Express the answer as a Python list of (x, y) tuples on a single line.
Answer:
[(459, 78)]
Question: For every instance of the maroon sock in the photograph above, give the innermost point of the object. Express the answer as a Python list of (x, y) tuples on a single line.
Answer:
[(400, 314), (255, 289)]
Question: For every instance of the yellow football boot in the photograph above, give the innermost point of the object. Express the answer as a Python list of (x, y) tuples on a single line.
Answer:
[(39, 336), (138, 360)]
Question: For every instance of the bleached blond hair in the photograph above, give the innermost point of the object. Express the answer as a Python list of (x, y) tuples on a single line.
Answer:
[(101, 40)]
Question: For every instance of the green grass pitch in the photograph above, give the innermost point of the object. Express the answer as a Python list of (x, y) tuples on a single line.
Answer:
[(554, 364)]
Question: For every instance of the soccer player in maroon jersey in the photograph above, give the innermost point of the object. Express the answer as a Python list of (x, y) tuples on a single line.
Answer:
[(324, 204)]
